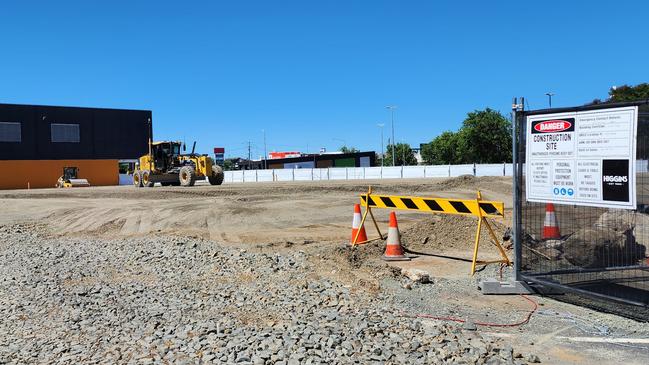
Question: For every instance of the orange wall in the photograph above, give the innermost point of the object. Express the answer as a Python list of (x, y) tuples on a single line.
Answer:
[(44, 173)]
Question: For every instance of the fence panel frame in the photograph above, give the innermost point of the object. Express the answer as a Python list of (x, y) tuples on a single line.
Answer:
[(602, 290)]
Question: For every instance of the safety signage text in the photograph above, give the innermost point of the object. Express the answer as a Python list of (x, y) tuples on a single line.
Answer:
[(582, 158)]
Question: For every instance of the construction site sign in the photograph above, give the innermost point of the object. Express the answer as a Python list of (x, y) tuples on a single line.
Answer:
[(582, 158)]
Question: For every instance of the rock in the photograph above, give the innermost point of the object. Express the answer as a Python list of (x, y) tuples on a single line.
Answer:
[(600, 247), (416, 275), (157, 300), (533, 359), (469, 325)]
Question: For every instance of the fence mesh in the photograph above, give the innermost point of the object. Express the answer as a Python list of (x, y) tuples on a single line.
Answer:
[(601, 258)]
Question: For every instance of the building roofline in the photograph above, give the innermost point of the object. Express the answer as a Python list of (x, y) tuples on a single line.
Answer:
[(72, 107)]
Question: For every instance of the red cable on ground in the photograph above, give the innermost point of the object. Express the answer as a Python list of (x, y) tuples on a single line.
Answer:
[(486, 324)]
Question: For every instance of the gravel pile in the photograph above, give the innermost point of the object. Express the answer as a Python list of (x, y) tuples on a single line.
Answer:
[(171, 299)]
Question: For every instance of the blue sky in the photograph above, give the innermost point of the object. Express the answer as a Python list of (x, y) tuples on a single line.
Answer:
[(316, 73)]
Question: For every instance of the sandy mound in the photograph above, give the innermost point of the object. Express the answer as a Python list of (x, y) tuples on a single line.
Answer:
[(440, 233)]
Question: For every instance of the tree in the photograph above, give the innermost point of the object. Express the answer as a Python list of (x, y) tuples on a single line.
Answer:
[(403, 153), (378, 159), (485, 137), (442, 150), (629, 93), (345, 149), (228, 164)]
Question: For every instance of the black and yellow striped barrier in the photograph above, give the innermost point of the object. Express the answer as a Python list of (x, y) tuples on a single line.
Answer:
[(481, 208)]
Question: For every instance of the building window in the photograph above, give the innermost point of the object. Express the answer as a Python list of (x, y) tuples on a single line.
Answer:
[(10, 132), (65, 133)]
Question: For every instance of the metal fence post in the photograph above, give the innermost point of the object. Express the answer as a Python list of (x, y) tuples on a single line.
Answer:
[(513, 285), (517, 191)]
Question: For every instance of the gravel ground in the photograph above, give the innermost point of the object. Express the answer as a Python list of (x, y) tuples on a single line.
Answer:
[(172, 299)]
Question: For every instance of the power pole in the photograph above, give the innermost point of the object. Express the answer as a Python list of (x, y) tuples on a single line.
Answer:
[(249, 157), (265, 151), (381, 125), (391, 108)]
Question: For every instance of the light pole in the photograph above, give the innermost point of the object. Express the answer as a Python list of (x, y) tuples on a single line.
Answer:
[(341, 140), (265, 151), (550, 95), (391, 108), (381, 125)]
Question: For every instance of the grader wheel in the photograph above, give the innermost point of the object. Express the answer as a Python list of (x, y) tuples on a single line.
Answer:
[(146, 181), (187, 176), (137, 179), (217, 175)]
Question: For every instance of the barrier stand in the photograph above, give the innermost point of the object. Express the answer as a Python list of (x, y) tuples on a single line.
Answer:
[(376, 225), (494, 240), (482, 209)]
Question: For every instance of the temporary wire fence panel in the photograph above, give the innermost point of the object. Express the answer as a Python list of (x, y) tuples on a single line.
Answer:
[(599, 257)]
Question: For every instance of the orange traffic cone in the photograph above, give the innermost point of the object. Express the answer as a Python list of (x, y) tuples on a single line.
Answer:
[(356, 225), (550, 225), (393, 249)]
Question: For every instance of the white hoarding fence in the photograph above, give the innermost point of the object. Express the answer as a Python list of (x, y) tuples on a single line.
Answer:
[(377, 172)]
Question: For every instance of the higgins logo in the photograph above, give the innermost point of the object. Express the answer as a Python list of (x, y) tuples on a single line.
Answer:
[(554, 125), (616, 178)]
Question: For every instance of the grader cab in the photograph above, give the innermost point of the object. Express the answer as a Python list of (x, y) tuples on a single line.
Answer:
[(167, 165)]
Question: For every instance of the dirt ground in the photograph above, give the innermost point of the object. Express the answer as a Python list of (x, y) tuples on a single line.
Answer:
[(315, 217)]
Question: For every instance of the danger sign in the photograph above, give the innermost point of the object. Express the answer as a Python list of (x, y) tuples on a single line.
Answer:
[(582, 158)]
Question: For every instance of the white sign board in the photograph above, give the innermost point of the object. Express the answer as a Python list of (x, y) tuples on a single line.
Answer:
[(582, 158)]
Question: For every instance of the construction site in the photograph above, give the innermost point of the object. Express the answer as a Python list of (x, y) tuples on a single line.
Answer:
[(327, 182), (265, 274)]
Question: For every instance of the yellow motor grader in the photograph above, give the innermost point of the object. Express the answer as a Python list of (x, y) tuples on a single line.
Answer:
[(165, 164)]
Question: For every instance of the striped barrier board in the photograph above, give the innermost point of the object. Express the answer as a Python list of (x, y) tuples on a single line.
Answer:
[(480, 208)]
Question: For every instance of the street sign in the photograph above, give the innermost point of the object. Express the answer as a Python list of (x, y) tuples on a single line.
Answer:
[(582, 158), (219, 155)]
